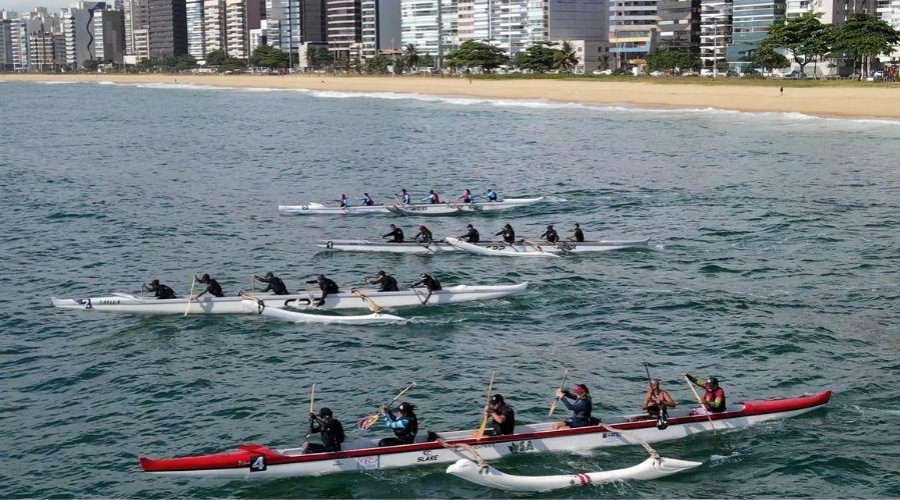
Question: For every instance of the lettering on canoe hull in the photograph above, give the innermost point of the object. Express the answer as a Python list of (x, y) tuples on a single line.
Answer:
[(427, 456), (85, 302), (367, 463), (521, 446), (258, 464)]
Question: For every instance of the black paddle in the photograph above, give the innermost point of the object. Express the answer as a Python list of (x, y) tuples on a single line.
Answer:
[(662, 420)]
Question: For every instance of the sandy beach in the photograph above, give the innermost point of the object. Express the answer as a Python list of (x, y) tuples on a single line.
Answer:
[(845, 101)]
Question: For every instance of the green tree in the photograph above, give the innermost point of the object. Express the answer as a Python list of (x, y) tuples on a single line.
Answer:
[(318, 57), (538, 58), (426, 61), (767, 58), (672, 60), (472, 54), (805, 37), (377, 65), (411, 56), (863, 37), (216, 58), (266, 56), (603, 61), (565, 58), (90, 64)]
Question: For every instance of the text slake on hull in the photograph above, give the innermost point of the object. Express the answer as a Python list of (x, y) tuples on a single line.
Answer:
[(492, 247), (257, 461), (413, 209), (130, 304)]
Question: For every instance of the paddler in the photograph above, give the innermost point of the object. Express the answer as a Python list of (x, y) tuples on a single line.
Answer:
[(714, 397), (275, 285), (429, 282), (550, 234), (503, 417), (405, 197), (508, 234), (329, 428), (581, 407), (471, 235), (490, 195), (387, 282), (424, 236), (657, 400), (432, 197), (367, 200), (326, 285), (343, 201), (578, 235), (212, 287), (159, 290), (466, 197), (396, 235), (405, 424)]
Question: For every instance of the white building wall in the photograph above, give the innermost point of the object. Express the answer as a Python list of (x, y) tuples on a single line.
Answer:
[(213, 25), (196, 38), (236, 28)]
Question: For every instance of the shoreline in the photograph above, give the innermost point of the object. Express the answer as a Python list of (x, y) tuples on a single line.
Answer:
[(825, 101)]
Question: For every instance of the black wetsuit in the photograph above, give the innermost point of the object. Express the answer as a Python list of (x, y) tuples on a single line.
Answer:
[(579, 235), (212, 288), (332, 436), (509, 423), (508, 234), (388, 283), (276, 286), (429, 282), (326, 286), (551, 235), (424, 237), (161, 291), (396, 235), (405, 435), (471, 236)]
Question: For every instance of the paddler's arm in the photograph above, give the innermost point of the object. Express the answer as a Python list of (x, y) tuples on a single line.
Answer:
[(667, 399), (647, 400), (694, 380)]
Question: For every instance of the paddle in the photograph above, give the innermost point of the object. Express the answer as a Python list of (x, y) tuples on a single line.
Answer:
[(533, 244), (312, 302), (484, 420), (312, 402), (367, 422), (700, 401), (662, 421), (375, 308), (416, 292), (190, 295), (562, 385)]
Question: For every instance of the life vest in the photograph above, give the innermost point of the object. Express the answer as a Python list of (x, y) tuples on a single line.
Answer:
[(710, 397), (509, 425), (408, 434)]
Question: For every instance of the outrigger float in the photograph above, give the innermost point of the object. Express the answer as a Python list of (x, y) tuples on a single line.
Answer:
[(412, 209), (257, 461), (361, 299), (487, 248)]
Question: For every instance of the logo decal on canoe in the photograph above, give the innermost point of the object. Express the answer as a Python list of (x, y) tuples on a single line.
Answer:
[(427, 456), (258, 464), (365, 463), (521, 446)]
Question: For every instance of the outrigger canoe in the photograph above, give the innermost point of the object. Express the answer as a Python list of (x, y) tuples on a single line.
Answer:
[(259, 307), (412, 209), (542, 249), (131, 304), (257, 461), (563, 247)]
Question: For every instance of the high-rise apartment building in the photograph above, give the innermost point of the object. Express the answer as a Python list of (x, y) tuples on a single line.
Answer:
[(135, 19), (236, 29), (6, 55), (678, 22), (167, 23), (283, 24), (633, 30), (344, 24), (214, 35), (431, 25), (314, 19), (751, 21), (108, 32), (715, 32), (196, 39), (380, 26)]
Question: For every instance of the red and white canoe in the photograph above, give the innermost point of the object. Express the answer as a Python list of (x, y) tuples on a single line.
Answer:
[(257, 461)]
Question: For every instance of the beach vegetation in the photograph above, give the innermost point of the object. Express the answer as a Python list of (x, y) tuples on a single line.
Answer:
[(672, 61), (266, 56), (538, 58), (318, 57), (473, 54), (565, 58), (805, 38), (377, 65), (411, 56), (863, 37), (218, 59), (767, 59)]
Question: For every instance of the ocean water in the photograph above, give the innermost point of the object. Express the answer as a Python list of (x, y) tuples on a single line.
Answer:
[(774, 266)]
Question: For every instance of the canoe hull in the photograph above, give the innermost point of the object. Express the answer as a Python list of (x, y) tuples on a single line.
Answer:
[(544, 249), (130, 304), (438, 248), (414, 209), (534, 438)]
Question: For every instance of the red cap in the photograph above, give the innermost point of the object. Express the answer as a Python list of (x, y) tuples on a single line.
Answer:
[(579, 390)]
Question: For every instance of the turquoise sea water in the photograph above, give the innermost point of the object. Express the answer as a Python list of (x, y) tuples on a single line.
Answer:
[(775, 267)]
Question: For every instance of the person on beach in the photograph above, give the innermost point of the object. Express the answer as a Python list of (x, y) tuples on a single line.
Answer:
[(550, 234), (159, 290), (396, 234), (212, 287), (329, 428), (432, 197), (578, 235), (367, 200), (405, 424), (326, 285), (503, 417), (466, 197), (714, 397), (387, 282), (657, 400), (581, 407), (508, 234), (471, 235), (424, 236), (275, 285), (405, 197), (430, 283)]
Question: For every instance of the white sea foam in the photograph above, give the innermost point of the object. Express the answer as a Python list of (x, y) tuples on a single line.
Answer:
[(788, 117), (106, 82), (53, 82)]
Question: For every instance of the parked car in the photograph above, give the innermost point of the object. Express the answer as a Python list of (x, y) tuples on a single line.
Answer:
[(605, 72)]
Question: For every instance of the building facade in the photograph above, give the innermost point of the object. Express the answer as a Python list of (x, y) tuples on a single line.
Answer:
[(344, 24), (135, 19), (715, 33), (633, 31), (6, 52), (751, 21), (167, 21), (196, 32), (214, 35), (381, 20), (678, 22), (236, 29)]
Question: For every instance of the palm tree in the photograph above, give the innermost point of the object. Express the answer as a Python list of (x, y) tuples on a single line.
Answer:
[(411, 56), (565, 58)]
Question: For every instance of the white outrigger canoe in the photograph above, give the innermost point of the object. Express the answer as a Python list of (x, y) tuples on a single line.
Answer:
[(257, 461), (542, 248), (131, 304), (652, 468), (491, 248), (413, 209), (258, 307)]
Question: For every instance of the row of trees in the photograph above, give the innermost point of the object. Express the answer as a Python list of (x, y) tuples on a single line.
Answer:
[(860, 39), (538, 58)]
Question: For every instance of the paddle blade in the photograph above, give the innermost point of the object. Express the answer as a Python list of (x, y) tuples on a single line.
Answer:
[(366, 422)]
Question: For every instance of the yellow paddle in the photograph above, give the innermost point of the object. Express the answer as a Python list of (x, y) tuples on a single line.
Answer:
[(484, 420), (562, 385), (312, 399), (190, 296), (366, 422), (375, 308), (699, 400)]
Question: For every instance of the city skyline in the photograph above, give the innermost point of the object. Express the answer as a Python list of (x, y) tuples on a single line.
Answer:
[(27, 5)]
